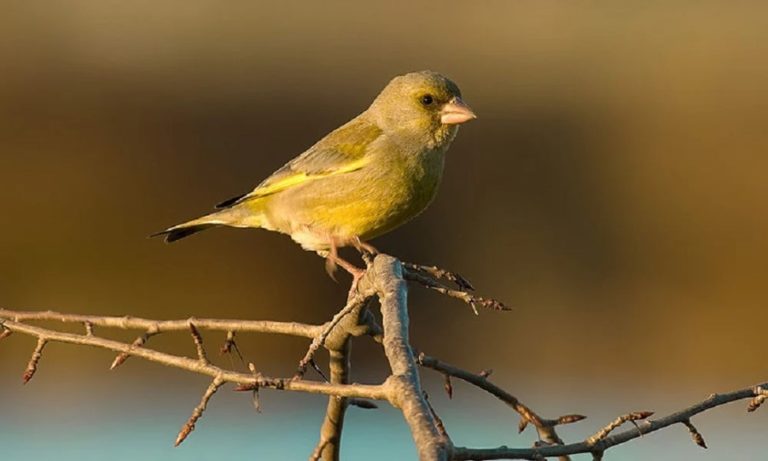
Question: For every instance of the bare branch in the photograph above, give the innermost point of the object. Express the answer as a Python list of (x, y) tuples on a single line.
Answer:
[(189, 426), (329, 445), (698, 439), (229, 343), (438, 273), (387, 276), (760, 397), (356, 300), (128, 322), (338, 342), (646, 427), (438, 422), (603, 433), (37, 354), (545, 427), (198, 340), (385, 279), (463, 295), (138, 342), (246, 380)]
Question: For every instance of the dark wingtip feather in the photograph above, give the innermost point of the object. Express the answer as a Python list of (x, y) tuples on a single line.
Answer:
[(229, 202), (171, 235), (157, 234)]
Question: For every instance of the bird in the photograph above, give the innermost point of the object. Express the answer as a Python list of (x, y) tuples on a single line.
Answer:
[(362, 180)]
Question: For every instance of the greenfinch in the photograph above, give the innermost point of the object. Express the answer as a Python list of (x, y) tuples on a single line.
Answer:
[(364, 179)]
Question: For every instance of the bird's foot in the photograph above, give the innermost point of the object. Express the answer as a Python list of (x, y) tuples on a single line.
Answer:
[(333, 261)]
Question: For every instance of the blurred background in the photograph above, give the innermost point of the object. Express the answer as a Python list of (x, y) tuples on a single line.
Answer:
[(613, 191)]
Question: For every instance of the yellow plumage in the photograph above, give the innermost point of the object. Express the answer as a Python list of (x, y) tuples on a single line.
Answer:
[(363, 179)]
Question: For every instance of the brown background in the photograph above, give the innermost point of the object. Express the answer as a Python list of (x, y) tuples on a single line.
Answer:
[(613, 189)]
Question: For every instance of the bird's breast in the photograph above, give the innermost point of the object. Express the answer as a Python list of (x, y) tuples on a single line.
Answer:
[(409, 186), (362, 204)]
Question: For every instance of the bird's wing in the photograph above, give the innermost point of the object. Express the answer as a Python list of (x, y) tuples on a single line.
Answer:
[(342, 151)]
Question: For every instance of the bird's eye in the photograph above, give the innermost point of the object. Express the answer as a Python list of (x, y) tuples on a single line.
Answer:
[(427, 99)]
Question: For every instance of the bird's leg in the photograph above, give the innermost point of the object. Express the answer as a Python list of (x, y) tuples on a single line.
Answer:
[(333, 260), (331, 256), (364, 247)]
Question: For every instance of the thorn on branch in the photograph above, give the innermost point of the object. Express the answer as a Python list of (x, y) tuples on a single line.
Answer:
[(760, 396), (189, 426), (568, 419), (256, 400), (37, 354), (88, 328), (198, 339), (522, 425), (486, 373), (447, 385), (230, 345), (698, 439), (438, 422), (4, 332), (632, 417), (138, 342)]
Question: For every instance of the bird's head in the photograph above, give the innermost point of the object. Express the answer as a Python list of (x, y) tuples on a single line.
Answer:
[(423, 105)]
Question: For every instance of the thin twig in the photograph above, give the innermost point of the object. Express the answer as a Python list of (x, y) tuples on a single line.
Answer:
[(138, 342), (198, 340), (189, 426), (438, 273), (402, 388), (648, 426), (463, 295), (129, 322), (545, 427), (761, 395), (698, 439), (248, 380), (37, 354), (631, 417), (438, 422), (356, 301)]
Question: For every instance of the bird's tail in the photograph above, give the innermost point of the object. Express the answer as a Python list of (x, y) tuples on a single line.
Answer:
[(235, 217)]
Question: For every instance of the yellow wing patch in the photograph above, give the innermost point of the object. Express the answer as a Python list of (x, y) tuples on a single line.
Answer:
[(300, 177)]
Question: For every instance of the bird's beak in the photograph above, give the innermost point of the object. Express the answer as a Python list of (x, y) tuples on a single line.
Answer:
[(456, 112)]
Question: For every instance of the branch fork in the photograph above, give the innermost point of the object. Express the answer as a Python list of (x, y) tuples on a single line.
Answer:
[(385, 279)]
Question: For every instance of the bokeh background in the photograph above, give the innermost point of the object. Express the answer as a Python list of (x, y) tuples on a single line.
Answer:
[(613, 191)]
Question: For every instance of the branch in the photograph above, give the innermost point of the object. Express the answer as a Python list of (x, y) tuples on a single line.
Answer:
[(357, 299), (387, 276), (384, 278), (599, 443), (427, 277), (544, 427), (339, 346), (249, 381), (136, 323)]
